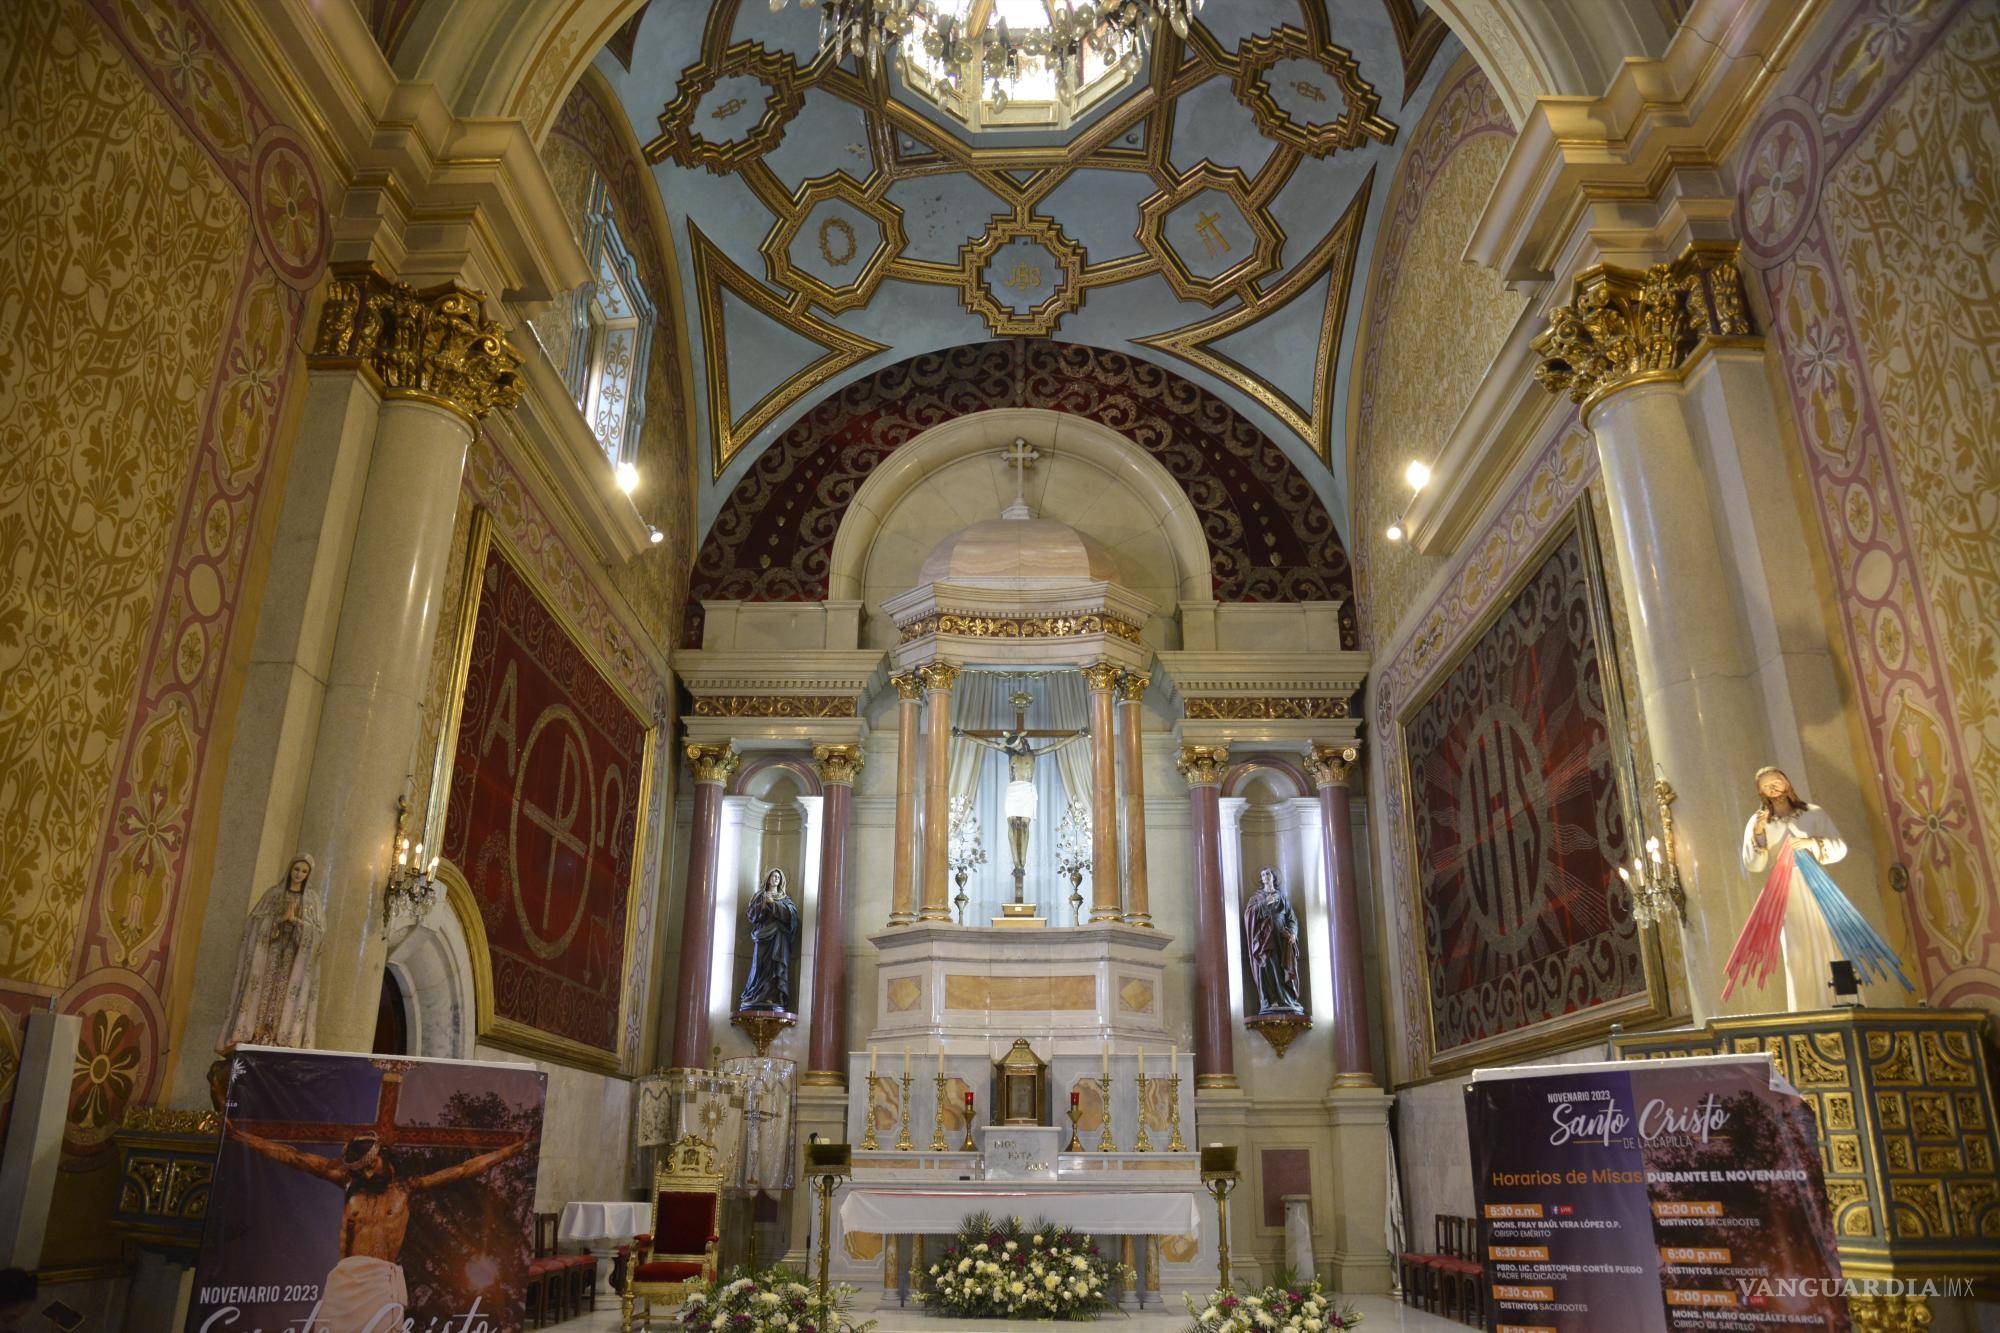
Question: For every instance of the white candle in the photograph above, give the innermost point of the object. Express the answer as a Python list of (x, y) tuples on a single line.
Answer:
[(1173, 1061), (1142, 1062), (940, 1053), (871, 1062), (1107, 1059), (906, 1059)]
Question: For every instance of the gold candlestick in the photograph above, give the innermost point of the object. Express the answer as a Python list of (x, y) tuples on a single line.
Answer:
[(1176, 1144), (903, 1143), (937, 1134), (869, 1143), (1075, 1139), (968, 1145), (1142, 1143), (1107, 1143)]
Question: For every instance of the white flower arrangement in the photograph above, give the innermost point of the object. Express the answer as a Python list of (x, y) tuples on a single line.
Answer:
[(772, 1300), (1293, 1307), (1005, 1270)]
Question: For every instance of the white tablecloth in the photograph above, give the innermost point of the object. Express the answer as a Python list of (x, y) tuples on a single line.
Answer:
[(600, 1221), (912, 1210)]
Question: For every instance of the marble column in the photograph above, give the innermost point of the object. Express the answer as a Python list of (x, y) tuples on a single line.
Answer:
[(909, 716), (1331, 766), (1132, 797), (938, 678), (373, 703), (1103, 682), (1214, 1059), (826, 1060), (713, 765)]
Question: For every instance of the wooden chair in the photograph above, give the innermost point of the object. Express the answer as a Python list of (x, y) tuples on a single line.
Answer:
[(687, 1198), (1460, 1274), (559, 1284)]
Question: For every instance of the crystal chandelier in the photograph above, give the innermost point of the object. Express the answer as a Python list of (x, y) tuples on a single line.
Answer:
[(992, 53)]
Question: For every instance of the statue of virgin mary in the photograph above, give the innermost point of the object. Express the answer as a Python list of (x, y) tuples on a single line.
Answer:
[(277, 968)]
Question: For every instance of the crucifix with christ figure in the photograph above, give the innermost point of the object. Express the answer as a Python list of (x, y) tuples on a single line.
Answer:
[(1014, 742)]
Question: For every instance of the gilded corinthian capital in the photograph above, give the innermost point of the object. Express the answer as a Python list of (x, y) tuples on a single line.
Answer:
[(431, 342), (909, 684), (1624, 324), (837, 763), (1101, 677), (1330, 765), (713, 763), (1203, 765)]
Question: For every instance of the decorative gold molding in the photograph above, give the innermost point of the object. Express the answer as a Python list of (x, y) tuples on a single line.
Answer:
[(1132, 686), (868, 271), (713, 763), (1259, 260), (774, 705), (171, 1120), (1101, 677), (1203, 765), (938, 675), (1020, 627), (1903, 1313), (1623, 325), (433, 342), (678, 137), (839, 764), (714, 274), (1064, 298), (1358, 121), (1331, 765), (1264, 708), (909, 684)]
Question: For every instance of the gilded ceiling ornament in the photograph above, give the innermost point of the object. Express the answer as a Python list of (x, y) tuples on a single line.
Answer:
[(1329, 268), (774, 705), (1330, 765), (434, 343), (1289, 113), (713, 763), (1263, 708), (714, 274), (683, 136), (1239, 244), (1203, 765), (838, 763), (811, 210), (1064, 281), (1624, 324)]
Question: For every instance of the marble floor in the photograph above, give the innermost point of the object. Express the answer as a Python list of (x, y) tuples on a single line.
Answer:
[(1379, 1314)]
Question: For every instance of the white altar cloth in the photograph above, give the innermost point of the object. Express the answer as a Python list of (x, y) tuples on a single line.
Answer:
[(1094, 1208), (597, 1221)]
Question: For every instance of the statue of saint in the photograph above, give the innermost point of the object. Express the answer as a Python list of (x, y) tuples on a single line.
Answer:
[(1273, 931), (1801, 913), (277, 967), (774, 931)]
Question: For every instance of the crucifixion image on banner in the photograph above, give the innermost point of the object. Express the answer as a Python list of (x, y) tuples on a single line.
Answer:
[(356, 1193)]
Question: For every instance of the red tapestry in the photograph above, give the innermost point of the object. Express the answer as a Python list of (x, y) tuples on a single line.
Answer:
[(543, 814), (1519, 821)]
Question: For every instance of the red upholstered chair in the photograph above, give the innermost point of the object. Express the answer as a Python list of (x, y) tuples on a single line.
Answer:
[(687, 1198)]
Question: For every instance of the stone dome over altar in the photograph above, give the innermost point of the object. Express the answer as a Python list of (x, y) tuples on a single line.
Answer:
[(1018, 553)]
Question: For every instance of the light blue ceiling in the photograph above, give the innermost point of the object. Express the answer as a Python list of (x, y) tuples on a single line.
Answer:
[(868, 267)]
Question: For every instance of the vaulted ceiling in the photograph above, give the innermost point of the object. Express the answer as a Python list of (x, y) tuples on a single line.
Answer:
[(1215, 215)]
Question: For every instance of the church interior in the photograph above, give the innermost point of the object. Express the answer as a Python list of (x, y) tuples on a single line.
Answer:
[(712, 635)]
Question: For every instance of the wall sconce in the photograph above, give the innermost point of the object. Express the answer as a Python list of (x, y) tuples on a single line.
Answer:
[(412, 887), (1655, 878), (1418, 475)]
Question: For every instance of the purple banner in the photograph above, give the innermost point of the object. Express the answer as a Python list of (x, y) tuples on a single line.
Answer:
[(1681, 1195), (365, 1194)]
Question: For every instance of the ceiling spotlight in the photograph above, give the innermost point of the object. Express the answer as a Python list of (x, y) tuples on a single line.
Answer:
[(1418, 474), (628, 478), (1395, 532), (657, 535)]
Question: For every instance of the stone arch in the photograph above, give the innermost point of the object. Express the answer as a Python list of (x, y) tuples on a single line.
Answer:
[(1074, 439), (1269, 537), (1275, 770), (433, 967)]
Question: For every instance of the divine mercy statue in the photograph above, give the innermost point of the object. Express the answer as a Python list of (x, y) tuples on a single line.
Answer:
[(277, 967), (1273, 931), (773, 917), (1801, 911)]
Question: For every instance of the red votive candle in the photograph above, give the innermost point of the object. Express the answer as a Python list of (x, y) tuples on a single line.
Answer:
[(1075, 1097)]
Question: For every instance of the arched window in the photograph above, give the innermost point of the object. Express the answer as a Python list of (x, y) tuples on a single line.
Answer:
[(611, 336)]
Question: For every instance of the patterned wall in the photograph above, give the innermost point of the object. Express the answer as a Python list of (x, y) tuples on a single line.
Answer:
[(161, 233), (1870, 207), (1269, 537), (1431, 327)]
